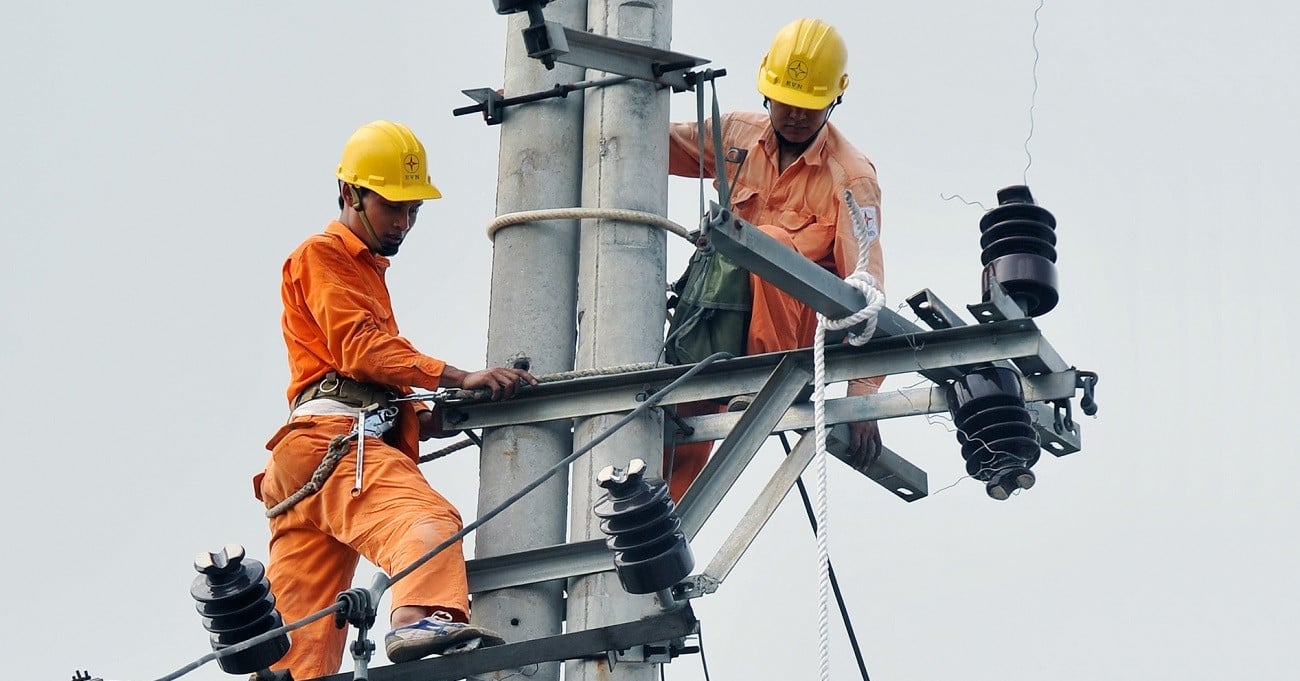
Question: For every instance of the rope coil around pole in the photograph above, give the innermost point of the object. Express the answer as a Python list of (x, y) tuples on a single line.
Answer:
[(545, 214), (864, 221)]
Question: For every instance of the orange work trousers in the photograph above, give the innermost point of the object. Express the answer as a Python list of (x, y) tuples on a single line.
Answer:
[(777, 322), (315, 545)]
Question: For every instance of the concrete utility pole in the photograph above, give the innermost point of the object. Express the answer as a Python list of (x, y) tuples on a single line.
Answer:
[(620, 298), (533, 304)]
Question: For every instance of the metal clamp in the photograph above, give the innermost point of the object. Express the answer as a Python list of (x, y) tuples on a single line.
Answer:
[(1088, 381)]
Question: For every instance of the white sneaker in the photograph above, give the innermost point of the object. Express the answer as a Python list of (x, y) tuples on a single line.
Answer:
[(436, 634)]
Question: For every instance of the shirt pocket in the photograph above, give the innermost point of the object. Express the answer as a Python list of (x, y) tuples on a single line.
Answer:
[(745, 202), (813, 235)]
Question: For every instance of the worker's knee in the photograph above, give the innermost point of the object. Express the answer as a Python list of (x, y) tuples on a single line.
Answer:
[(432, 531)]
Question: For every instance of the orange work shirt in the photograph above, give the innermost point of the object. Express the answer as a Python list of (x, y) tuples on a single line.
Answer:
[(338, 317), (805, 202)]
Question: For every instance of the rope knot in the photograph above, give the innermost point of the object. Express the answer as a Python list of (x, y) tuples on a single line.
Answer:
[(864, 282)]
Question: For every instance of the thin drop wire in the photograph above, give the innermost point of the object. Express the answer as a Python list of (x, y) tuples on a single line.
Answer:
[(944, 489), (959, 197), (704, 660), (1033, 98)]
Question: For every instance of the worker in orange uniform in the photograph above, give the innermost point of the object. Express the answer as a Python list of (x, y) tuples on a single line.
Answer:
[(790, 167), (345, 354)]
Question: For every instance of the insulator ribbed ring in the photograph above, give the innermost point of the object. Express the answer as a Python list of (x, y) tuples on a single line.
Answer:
[(1018, 248), (235, 600), (995, 430), (644, 532)]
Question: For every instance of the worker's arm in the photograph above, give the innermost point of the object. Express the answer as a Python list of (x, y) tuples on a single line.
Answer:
[(684, 149)]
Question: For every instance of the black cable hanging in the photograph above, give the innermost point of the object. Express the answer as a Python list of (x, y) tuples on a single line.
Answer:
[(835, 583)]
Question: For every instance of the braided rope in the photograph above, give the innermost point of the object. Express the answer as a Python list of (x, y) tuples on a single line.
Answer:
[(449, 449), (339, 446), (864, 229)]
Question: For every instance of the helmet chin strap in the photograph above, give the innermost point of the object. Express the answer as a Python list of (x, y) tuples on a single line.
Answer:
[(365, 220), (785, 143)]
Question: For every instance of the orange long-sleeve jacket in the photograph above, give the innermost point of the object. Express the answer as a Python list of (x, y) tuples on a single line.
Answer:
[(806, 201), (338, 317)]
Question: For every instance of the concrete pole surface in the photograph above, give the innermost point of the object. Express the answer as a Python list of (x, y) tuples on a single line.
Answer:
[(532, 314), (621, 279)]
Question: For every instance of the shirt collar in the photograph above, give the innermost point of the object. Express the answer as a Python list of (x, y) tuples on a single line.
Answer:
[(355, 246), (811, 156)]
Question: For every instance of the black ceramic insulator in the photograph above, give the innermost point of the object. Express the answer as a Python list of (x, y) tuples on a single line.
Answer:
[(650, 550), (996, 432), (234, 598), (1018, 239)]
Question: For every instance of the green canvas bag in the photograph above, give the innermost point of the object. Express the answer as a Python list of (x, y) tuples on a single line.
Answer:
[(710, 310)]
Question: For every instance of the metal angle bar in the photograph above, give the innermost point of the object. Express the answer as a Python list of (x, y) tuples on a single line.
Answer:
[(626, 58), (802, 278), (923, 352), (544, 564), (889, 470), (933, 311), (740, 446), (762, 509), (790, 271), (885, 405), (1055, 440), (591, 643)]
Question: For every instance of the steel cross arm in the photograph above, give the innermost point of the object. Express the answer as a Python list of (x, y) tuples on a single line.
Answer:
[(886, 405), (924, 351), (560, 561), (802, 278), (591, 643)]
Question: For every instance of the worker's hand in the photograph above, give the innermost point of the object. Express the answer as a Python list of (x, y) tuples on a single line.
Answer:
[(502, 382), (431, 425), (864, 444)]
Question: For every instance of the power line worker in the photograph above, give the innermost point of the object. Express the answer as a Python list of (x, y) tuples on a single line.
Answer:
[(791, 167), (345, 354)]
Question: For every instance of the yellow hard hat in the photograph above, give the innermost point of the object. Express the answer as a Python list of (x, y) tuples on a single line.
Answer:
[(805, 65), (387, 158)]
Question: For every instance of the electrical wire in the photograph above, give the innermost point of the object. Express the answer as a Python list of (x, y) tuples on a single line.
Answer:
[(835, 583), (1033, 97)]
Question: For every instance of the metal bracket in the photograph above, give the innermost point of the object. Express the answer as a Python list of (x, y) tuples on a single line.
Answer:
[(552, 41), (1057, 435), (901, 477), (661, 652), (999, 307), (492, 104), (932, 311), (695, 586)]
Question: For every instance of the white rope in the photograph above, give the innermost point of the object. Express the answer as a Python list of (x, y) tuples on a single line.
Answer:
[(625, 215), (864, 228)]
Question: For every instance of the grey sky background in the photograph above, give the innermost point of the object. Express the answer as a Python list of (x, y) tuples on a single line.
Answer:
[(163, 158)]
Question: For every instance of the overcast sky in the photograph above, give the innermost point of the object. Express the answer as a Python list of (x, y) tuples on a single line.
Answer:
[(163, 158)]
